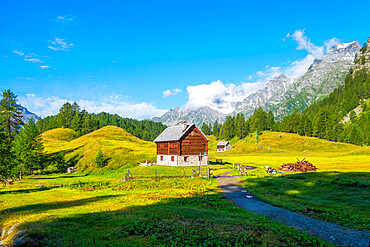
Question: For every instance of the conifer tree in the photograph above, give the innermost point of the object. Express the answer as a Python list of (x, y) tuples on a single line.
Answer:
[(216, 129), (228, 128), (76, 122), (270, 121), (210, 128), (10, 115), (100, 160), (355, 136), (240, 126), (28, 149), (6, 158), (205, 129), (258, 120)]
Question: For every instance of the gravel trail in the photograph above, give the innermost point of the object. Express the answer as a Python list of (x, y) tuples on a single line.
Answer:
[(327, 231)]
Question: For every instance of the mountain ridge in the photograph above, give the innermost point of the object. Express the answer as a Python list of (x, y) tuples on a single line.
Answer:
[(321, 78), (27, 115), (283, 94)]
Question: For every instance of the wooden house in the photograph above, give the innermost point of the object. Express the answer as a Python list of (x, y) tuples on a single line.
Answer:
[(223, 146), (182, 145)]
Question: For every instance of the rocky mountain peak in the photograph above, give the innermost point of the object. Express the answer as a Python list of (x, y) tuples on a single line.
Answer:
[(342, 51), (27, 115), (281, 77), (347, 46), (197, 116)]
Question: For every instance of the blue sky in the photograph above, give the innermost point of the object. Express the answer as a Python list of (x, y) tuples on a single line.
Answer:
[(140, 58)]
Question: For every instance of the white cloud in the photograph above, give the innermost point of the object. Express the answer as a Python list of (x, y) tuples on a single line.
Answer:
[(60, 45), (33, 60), (42, 106), (330, 43), (31, 57), (66, 19), (269, 73), (304, 43), (20, 53), (298, 68), (172, 92), (123, 108), (46, 106), (24, 78), (219, 96)]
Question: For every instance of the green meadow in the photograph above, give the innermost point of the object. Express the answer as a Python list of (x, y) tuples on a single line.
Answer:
[(165, 206), (338, 192)]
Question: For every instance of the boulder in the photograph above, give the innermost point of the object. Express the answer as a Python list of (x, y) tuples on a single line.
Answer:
[(11, 229)]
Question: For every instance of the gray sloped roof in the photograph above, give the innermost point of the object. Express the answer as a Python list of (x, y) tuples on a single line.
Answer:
[(222, 143), (175, 133)]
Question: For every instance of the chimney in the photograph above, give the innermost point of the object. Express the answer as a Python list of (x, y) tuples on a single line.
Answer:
[(183, 125)]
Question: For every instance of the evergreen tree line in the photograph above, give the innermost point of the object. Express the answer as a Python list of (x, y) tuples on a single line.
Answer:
[(71, 116), (238, 126), (325, 119), (21, 148)]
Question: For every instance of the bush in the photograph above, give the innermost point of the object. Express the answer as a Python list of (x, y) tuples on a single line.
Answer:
[(100, 160)]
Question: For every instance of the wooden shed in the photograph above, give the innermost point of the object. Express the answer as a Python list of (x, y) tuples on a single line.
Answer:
[(223, 146), (182, 145)]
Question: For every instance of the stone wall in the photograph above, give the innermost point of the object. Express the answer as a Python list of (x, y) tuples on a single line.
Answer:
[(192, 160)]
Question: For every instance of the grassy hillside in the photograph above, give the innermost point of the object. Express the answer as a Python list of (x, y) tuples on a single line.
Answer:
[(58, 134), (278, 142), (117, 145)]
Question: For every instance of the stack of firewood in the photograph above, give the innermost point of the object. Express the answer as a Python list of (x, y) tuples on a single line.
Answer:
[(299, 166)]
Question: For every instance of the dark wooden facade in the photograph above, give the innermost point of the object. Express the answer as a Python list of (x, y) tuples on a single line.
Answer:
[(192, 143)]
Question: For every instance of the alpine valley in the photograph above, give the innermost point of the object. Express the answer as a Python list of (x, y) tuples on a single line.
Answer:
[(282, 95)]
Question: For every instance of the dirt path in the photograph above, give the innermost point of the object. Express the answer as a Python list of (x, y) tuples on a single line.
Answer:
[(327, 231)]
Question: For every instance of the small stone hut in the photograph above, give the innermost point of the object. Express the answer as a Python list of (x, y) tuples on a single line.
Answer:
[(223, 146)]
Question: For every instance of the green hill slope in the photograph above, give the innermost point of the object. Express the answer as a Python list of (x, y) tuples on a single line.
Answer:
[(58, 134), (278, 142), (116, 144)]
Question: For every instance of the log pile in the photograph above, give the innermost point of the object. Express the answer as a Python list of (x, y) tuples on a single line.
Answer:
[(299, 166)]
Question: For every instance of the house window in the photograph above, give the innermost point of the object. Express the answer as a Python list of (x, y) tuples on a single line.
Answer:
[(172, 158), (186, 158), (161, 158), (200, 158)]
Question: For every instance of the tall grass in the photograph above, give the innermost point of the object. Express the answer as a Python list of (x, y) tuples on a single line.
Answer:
[(117, 145)]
